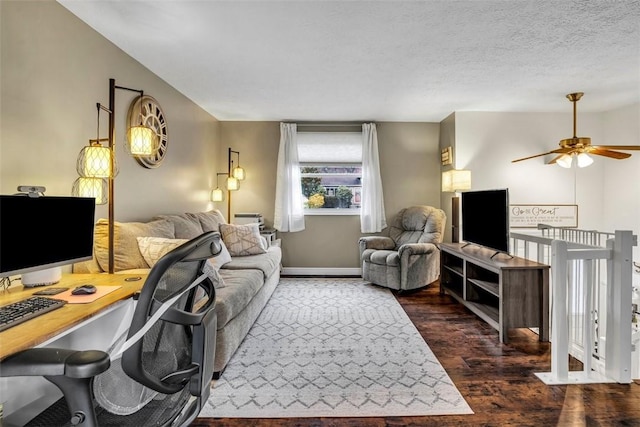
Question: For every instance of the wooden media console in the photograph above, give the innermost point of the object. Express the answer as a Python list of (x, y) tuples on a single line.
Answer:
[(506, 292)]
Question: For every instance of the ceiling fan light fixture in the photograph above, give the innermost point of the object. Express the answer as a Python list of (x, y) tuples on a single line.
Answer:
[(583, 160), (580, 146), (565, 161)]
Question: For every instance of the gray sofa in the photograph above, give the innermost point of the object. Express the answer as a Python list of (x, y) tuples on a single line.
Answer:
[(248, 280)]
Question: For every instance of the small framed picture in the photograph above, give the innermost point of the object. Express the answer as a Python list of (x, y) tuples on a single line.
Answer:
[(446, 156)]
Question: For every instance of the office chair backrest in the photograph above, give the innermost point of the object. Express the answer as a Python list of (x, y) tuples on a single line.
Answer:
[(175, 356)]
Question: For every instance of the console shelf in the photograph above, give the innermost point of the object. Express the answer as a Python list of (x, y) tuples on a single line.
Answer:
[(506, 292)]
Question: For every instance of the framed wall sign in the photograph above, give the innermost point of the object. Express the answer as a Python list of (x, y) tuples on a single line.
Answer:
[(529, 216)]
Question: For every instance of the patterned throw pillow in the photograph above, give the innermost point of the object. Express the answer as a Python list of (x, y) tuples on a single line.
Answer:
[(224, 257), (212, 272), (154, 248), (242, 240)]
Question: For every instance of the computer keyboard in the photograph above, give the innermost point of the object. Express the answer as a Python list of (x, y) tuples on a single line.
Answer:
[(21, 311)]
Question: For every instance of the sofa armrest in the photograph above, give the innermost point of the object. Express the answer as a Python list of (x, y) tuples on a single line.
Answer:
[(375, 242)]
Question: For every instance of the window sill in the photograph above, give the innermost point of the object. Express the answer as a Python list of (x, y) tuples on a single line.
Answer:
[(331, 212)]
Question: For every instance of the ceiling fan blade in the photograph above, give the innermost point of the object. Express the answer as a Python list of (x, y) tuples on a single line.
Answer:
[(608, 153), (618, 147), (556, 151)]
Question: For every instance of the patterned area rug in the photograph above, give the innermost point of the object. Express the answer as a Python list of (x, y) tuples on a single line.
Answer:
[(333, 348)]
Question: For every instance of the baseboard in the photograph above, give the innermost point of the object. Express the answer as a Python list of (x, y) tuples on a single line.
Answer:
[(321, 271)]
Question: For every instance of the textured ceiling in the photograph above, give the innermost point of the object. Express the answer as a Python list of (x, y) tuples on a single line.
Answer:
[(382, 61)]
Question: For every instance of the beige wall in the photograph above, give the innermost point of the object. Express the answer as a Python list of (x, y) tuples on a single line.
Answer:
[(54, 70), (409, 163)]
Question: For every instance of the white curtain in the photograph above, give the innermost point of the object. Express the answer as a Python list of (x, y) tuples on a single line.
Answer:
[(372, 217), (289, 210)]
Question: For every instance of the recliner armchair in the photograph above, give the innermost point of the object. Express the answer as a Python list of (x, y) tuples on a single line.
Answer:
[(163, 378), (409, 257)]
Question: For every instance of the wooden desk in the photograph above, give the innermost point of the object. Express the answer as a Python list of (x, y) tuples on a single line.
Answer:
[(38, 330)]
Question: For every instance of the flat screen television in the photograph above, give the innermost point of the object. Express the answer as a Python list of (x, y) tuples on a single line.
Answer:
[(37, 233), (485, 218)]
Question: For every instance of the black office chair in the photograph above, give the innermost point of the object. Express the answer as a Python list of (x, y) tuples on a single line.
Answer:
[(169, 369)]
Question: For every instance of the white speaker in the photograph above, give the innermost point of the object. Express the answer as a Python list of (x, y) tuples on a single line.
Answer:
[(42, 277)]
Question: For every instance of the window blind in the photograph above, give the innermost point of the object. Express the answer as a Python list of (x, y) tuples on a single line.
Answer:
[(330, 147)]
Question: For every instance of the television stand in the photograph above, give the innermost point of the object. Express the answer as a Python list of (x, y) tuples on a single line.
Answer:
[(505, 293)]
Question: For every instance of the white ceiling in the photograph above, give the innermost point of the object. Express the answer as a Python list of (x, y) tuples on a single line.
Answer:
[(380, 60)]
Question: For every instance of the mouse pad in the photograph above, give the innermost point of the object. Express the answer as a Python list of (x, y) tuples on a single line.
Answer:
[(82, 299)]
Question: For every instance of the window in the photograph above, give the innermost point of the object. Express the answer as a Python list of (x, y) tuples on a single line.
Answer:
[(331, 172)]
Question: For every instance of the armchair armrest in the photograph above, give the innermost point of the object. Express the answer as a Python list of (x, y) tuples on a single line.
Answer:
[(416, 249), (55, 362), (376, 242)]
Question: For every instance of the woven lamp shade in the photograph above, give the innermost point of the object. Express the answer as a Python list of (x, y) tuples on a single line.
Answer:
[(217, 195), (143, 141), (91, 187), (238, 173), (94, 161), (233, 184)]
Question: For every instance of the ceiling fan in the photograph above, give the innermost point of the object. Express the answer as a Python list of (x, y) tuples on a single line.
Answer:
[(580, 147)]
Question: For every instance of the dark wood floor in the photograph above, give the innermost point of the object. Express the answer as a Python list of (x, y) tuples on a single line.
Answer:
[(497, 380)]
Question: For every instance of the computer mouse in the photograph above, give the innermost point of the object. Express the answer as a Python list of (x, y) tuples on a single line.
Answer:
[(84, 290)]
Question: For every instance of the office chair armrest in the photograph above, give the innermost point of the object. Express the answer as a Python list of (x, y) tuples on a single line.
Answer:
[(417, 249), (55, 362)]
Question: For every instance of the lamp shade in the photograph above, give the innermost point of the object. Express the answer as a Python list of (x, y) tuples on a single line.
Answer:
[(565, 161), (583, 160), (238, 173), (233, 184), (456, 180), (91, 187), (94, 161), (217, 195), (142, 141)]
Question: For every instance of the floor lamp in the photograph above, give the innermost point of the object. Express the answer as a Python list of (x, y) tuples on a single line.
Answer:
[(455, 180), (234, 176), (96, 166)]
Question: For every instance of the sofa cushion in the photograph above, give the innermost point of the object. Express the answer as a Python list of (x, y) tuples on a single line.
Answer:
[(242, 240), (240, 286), (267, 262), (186, 226), (154, 248), (126, 253), (210, 220)]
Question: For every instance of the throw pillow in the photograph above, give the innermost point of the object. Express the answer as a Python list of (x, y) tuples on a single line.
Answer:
[(242, 240), (224, 257), (154, 248), (209, 221), (186, 226), (127, 256), (212, 272)]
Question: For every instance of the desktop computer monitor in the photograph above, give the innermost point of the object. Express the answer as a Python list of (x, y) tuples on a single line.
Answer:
[(38, 233)]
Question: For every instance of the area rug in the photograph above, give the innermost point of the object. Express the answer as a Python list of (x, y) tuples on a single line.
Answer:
[(333, 348)]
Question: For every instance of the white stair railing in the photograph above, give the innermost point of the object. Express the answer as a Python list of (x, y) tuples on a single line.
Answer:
[(591, 295)]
